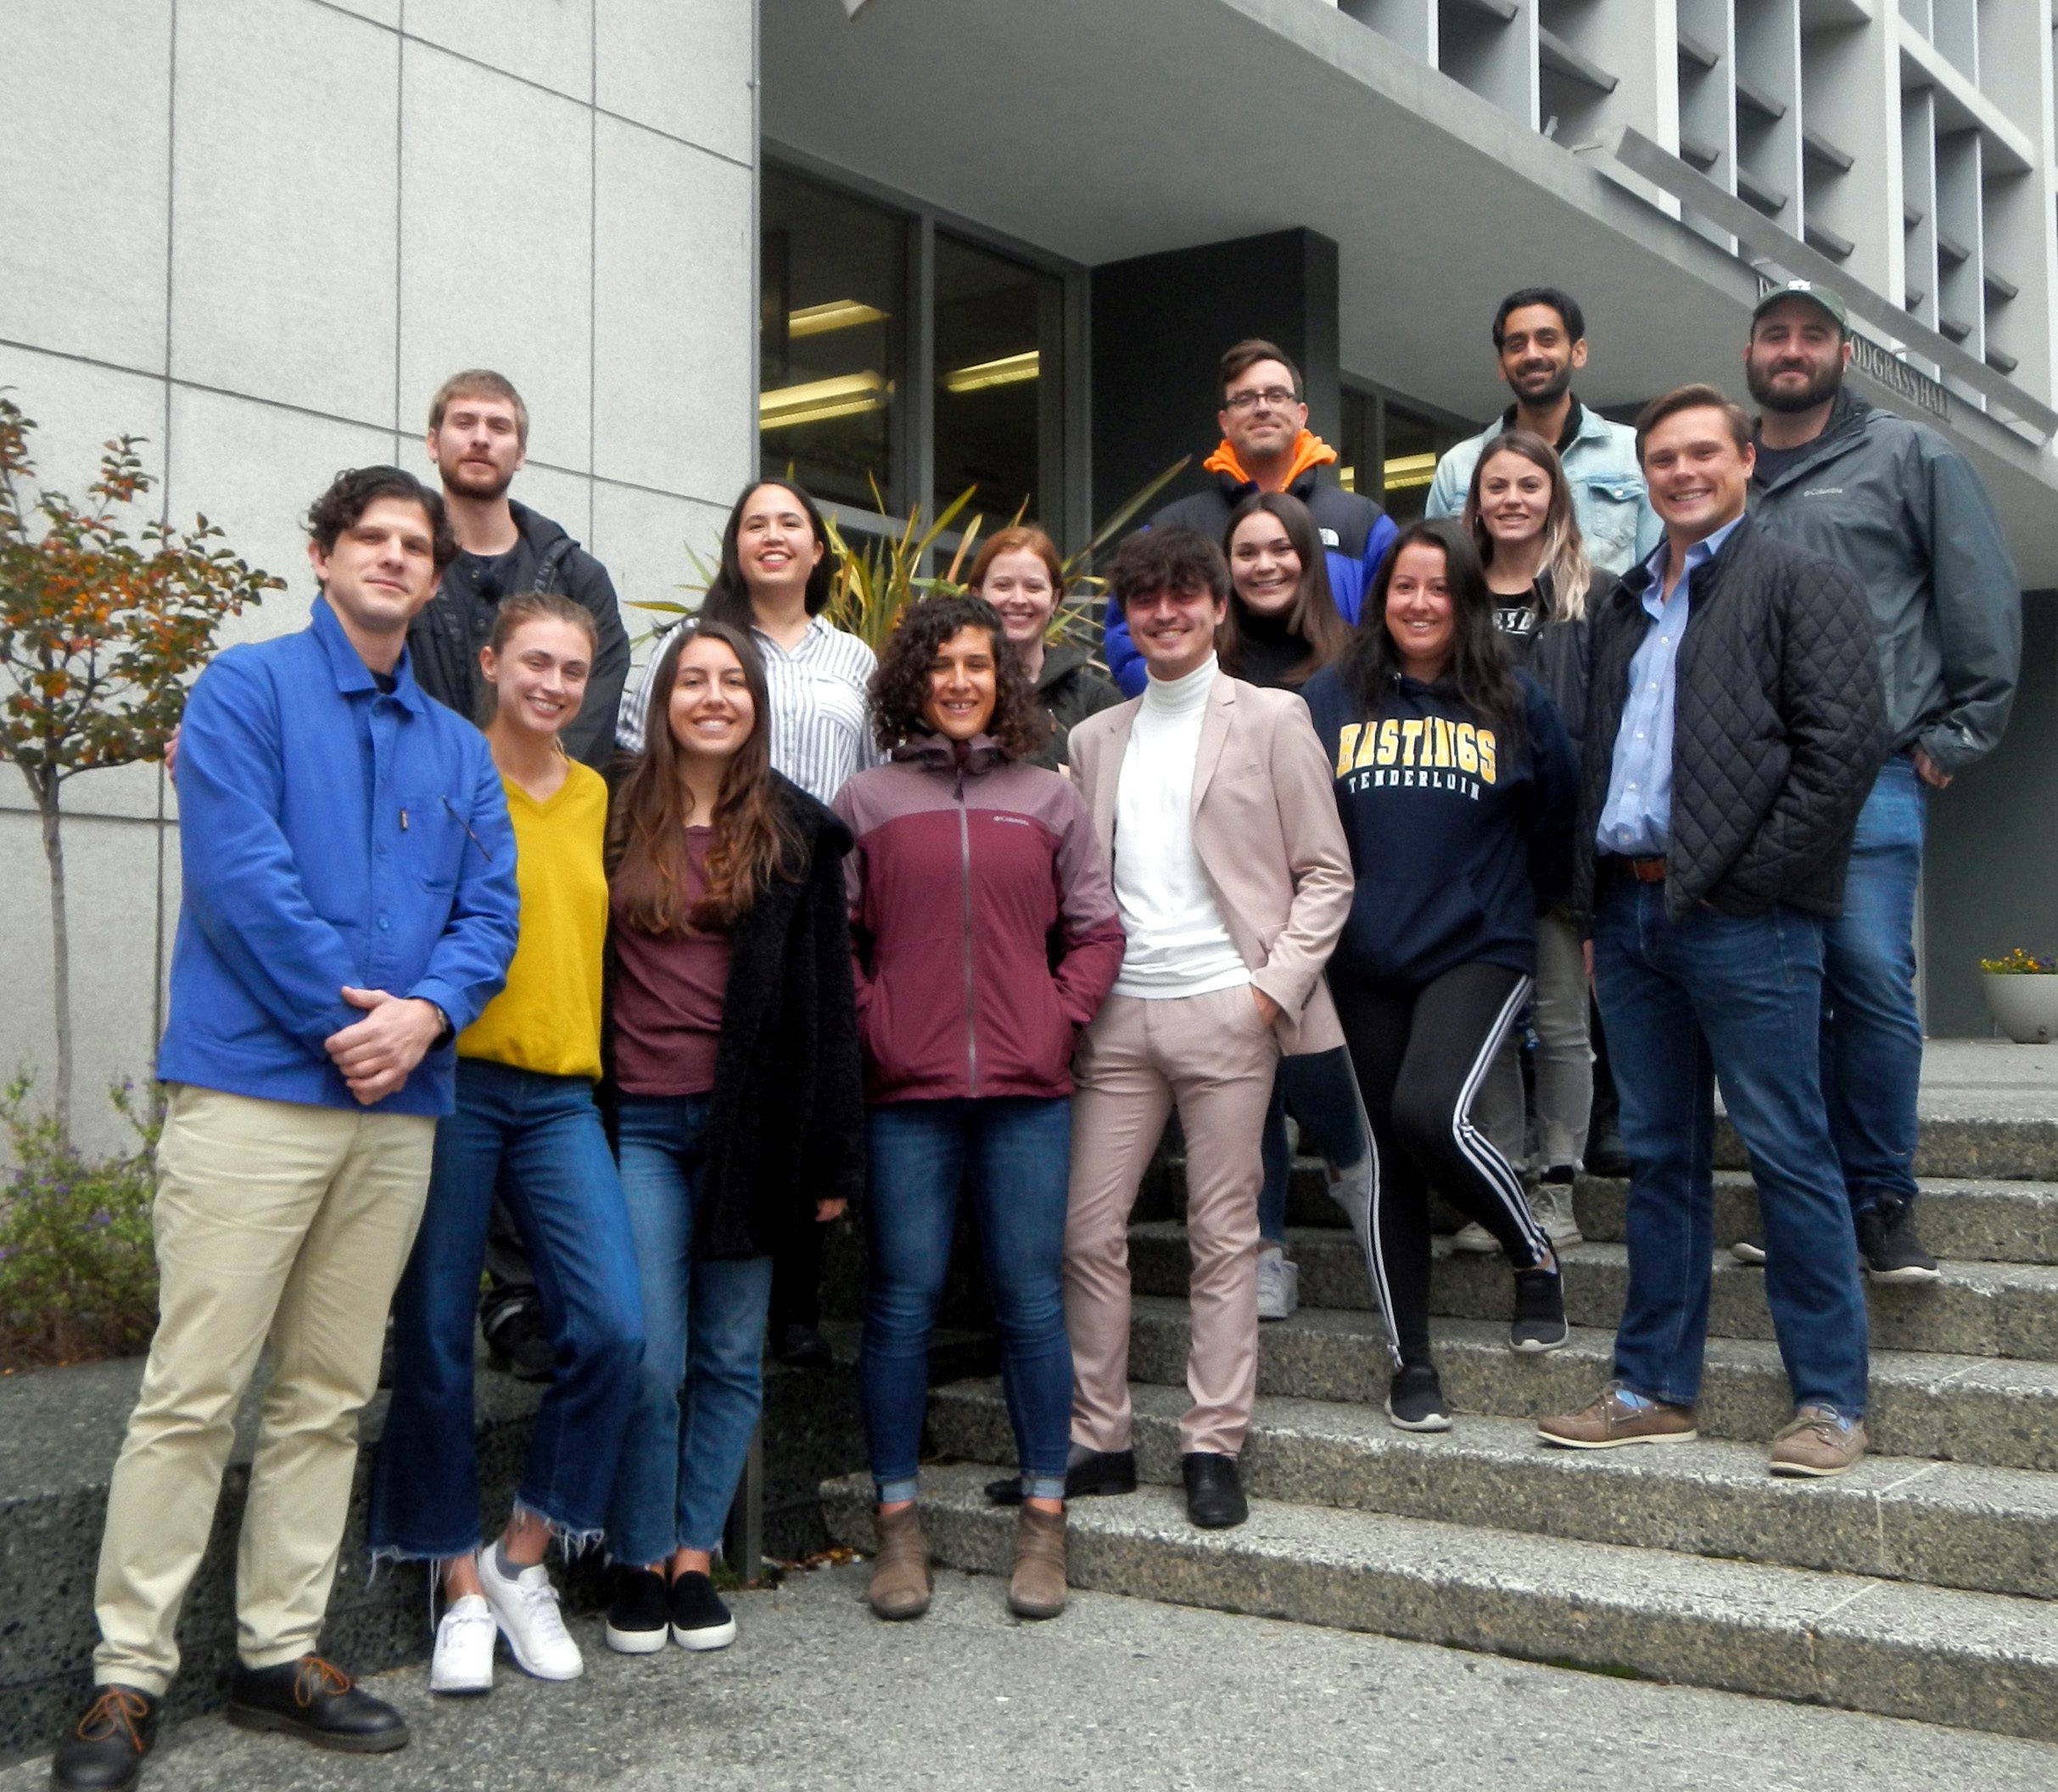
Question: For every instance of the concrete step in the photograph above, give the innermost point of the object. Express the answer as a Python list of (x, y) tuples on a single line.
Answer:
[(1977, 1309), (1975, 1659), (1968, 1220), (1984, 1410), (2000, 1146), (1939, 1524)]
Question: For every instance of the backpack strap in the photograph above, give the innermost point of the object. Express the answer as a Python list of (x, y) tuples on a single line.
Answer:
[(552, 563)]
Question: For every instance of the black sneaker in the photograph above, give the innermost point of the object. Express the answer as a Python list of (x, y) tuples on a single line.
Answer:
[(803, 1347), (1604, 1155), (699, 1618), (1893, 1253), (103, 1751), (317, 1702), (1538, 1324), (516, 1344), (1415, 1400), (640, 1616), (1750, 1249)]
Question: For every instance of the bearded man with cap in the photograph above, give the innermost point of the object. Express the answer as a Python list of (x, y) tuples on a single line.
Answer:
[(1892, 501)]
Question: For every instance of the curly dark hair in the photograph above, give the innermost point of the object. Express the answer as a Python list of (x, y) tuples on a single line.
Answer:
[(355, 489), (900, 687)]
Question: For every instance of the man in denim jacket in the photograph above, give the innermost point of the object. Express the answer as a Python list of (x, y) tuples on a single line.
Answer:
[(349, 906), (1540, 336)]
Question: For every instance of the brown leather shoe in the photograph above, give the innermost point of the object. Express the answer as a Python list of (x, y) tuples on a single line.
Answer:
[(1037, 1589), (1820, 1442), (900, 1571), (1616, 1417)]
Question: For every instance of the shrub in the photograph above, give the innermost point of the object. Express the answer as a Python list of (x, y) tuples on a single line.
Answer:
[(78, 1272)]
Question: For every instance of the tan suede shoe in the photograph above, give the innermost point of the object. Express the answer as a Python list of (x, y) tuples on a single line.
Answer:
[(1820, 1442), (900, 1571), (1609, 1420), (1037, 1589)]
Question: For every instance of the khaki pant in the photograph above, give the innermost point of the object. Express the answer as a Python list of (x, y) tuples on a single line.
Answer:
[(275, 1222), (1213, 1056)]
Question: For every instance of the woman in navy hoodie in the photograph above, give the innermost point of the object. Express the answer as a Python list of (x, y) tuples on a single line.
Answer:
[(1455, 781)]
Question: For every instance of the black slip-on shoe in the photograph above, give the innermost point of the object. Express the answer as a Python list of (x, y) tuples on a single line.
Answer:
[(1415, 1399), (640, 1616), (700, 1618), (103, 1751), (1214, 1490), (317, 1702), (1096, 1472)]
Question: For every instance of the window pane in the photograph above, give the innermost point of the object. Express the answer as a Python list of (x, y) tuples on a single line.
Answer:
[(1000, 384), (1355, 471), (831, 321), (1413, 446)]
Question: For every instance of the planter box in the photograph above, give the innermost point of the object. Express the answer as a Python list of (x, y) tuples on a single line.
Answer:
[(2024, 1005)]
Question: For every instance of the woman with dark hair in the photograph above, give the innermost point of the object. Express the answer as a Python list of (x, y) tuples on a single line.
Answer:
[(732, 1065), (525, 1124), (1283, 628), (987, 939), (1520, 516), (1455, 782), (1020, 574), (772, 585)]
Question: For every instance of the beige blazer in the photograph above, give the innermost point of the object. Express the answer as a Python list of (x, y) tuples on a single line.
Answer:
[(1266, 827)]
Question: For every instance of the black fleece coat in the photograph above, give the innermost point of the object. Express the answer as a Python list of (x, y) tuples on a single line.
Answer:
[(1779, 727), (786, 1127)]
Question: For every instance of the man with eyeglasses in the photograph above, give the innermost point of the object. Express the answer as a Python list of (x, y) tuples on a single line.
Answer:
[(1267, 446)]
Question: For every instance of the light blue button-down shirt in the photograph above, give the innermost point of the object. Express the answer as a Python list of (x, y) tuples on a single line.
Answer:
[(1637, 819)]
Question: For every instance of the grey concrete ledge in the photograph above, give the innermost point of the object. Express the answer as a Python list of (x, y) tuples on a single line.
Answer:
[(1939, 1524), (1983, 1410), (1973, 1659)]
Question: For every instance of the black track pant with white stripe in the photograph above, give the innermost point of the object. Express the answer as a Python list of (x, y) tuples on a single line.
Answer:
[(1421, 1052)]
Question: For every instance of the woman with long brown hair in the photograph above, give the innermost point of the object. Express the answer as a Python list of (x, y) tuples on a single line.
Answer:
[(732, 1048)]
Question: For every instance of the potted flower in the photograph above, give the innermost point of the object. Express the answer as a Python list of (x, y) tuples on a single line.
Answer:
[(2023, 995)]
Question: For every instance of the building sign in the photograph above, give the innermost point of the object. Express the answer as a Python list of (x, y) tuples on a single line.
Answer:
[(1880, 364)]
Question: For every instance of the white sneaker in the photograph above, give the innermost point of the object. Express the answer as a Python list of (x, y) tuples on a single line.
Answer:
[(1551, 1207), (1278, 1284), (1474, 1240), (526, 1610), (463, 1661)]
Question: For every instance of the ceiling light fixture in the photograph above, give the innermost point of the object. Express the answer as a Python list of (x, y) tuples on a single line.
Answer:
[(1009, 370), (838, 314), (1407, 471), (818, 400)]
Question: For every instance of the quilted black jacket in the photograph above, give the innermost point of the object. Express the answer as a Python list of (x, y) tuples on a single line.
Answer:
[(1779, 728)]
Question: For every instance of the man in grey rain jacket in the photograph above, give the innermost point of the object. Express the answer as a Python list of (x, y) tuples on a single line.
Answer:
[(1895, 503)]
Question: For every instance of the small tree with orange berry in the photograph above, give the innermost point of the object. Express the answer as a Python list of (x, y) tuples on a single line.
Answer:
[(101, 629)]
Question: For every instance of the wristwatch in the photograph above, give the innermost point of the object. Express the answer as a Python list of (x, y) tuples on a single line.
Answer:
[(445, 1032)]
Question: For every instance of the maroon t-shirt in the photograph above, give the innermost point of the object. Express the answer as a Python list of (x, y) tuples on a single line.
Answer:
[(668, 997)]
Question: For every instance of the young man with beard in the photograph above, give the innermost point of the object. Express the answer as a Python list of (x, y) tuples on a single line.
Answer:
[(349, 906), (1540, 340), (1901, 508)]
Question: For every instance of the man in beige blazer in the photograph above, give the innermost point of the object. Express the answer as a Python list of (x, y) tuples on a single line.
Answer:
[(1212, 798)]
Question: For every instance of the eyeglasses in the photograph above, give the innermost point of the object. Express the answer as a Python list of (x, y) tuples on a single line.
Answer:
[(1277, 397)]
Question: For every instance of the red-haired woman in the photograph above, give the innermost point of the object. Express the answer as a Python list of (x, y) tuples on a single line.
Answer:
[(734, 1067), (1020, 574)]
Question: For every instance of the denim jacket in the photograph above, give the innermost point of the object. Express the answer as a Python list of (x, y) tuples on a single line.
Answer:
[(330, 833), (1616, 520)]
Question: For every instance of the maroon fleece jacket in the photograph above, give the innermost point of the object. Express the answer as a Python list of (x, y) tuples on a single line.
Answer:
[(972, 878)]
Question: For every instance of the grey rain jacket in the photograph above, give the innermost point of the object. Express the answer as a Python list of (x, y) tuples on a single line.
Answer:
[(1898, 505)]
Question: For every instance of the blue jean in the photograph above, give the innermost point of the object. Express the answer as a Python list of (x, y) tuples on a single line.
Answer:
[(1871, 1031), (1018, 1150), (703, 1368), (1321, 1091), (538, 1140), (1739, 998)]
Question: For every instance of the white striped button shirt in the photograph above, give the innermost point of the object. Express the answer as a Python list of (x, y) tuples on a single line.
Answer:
[(821, 724)]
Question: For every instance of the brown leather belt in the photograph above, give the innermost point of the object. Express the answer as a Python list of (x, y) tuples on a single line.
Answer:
[(1644, 871)]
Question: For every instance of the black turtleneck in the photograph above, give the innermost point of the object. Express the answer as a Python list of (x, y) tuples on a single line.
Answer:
[(1271, 652)]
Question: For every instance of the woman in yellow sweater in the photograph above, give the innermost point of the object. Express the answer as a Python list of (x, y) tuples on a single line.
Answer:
[(525, 1126)]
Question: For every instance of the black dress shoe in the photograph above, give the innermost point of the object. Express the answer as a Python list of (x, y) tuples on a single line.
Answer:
[(1098, 1471), (802, 1347), (317, 1702), (1214, 1491), (104, 1751)]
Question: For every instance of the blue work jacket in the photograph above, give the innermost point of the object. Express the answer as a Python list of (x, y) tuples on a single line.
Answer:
[(330, 833)]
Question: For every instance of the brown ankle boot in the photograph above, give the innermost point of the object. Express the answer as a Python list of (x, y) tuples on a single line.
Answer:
[(900, 1571), (1037, 1587)]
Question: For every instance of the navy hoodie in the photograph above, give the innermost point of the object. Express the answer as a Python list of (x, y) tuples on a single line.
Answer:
[(1459, 837)]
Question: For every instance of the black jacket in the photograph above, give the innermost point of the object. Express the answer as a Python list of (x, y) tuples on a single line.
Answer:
[(1779, 728), (443, 641), (1068, 690), (1557, 655), (786, 1127)]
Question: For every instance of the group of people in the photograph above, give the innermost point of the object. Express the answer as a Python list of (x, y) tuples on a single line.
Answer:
[(493, 960)]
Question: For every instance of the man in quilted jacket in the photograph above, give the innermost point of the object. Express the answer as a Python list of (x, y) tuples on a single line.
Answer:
[(1737, 724)]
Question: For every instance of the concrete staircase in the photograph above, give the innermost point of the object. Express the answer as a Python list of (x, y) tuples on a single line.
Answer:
[(1920, 1585)]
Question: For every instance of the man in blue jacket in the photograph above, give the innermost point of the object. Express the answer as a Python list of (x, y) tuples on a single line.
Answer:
[(1266, 446), (349, 906)]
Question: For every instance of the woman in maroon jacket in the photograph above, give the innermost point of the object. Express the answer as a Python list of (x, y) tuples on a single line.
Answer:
[(973, 875)]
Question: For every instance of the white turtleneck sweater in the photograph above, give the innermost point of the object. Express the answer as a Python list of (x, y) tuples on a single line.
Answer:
[(1177, 943)]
